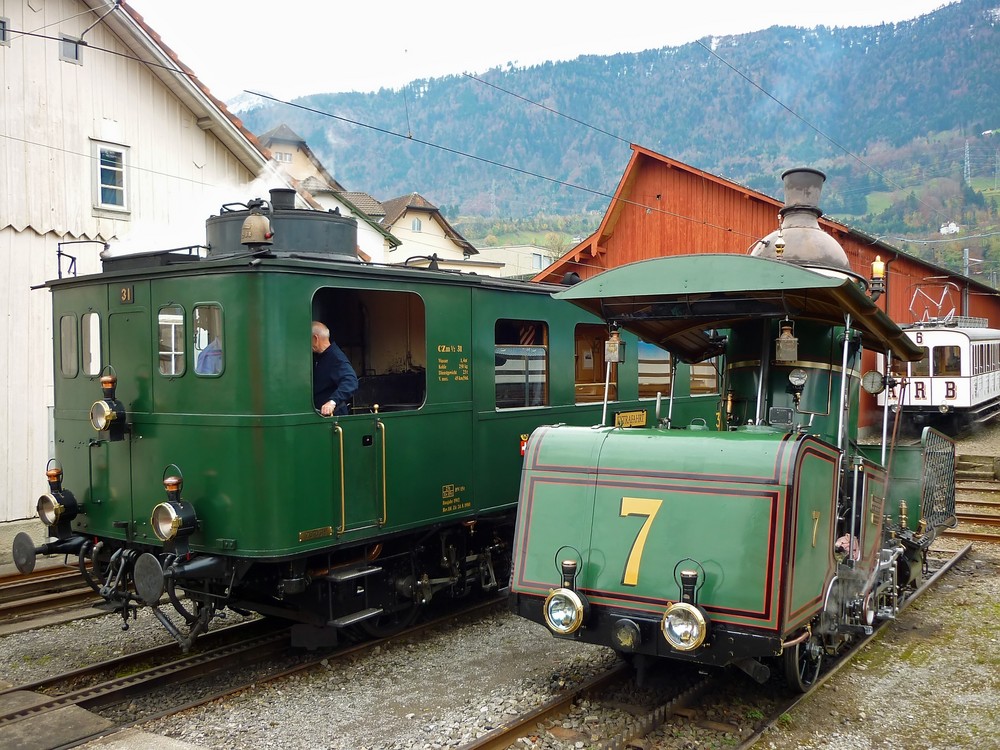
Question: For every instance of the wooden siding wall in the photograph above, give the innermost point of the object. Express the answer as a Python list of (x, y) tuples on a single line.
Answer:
[(177, 174), (663, 208)]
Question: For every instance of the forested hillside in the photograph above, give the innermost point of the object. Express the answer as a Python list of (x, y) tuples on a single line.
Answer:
[(886, 111)]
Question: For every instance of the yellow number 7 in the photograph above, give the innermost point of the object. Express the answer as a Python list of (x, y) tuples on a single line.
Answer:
[(638, 506)]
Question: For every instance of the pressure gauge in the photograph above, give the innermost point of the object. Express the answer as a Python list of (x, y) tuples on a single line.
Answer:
[(798, 377), (873, 382)]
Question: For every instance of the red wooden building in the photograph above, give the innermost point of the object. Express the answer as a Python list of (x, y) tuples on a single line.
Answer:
[(664, 207)]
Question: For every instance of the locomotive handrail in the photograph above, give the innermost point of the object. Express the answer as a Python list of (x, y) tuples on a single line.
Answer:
[(343, 513), (381, 428)]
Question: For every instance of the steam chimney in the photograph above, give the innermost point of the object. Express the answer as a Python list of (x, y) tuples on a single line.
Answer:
[(799, 239)]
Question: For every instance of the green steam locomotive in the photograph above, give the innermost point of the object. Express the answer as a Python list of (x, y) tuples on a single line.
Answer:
[(765, 541)]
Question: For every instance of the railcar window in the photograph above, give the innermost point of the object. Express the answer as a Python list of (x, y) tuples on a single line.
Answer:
[(591, 367), (654, 370), (704, 378), (921, 368), (947, 360), (522, 363), (209, 353), (91, 330), (67, 346), (171, 348)]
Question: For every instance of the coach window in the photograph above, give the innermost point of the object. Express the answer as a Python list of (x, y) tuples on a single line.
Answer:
[(171, 340), (67, 346), (947, 360), (209, 356), (704, 378), (521, 351), (91, 343), (654, 370), (591, 367), (921, 368)]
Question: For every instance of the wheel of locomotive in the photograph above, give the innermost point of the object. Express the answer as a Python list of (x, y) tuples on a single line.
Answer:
[(802, 664)]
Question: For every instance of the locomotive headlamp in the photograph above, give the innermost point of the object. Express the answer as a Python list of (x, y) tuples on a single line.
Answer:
[(174, 519), (684, 626), (57, 507), (565, 611), (108, 415)]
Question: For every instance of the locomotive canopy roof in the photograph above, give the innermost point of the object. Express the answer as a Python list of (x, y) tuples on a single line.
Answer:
[(676, 302)]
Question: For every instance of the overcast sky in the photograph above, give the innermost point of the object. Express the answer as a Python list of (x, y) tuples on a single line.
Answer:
[(298, 47)]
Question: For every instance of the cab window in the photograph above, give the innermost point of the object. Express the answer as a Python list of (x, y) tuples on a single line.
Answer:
[(68, 352), (209, 352), (91, 343), (947, 360), (171, 340), (921, 368)]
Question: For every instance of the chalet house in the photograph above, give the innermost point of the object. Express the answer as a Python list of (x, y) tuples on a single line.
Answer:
[(108, 137), (429, 240), (664, 207), (318, 189)]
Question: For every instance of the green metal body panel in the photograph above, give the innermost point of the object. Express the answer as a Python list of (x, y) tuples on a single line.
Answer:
[(268, 476), (754, 508)]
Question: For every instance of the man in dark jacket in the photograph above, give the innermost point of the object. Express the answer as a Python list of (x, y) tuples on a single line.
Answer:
[(334, 380)]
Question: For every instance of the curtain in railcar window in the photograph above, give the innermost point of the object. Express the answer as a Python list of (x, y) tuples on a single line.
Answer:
[(521, 363)]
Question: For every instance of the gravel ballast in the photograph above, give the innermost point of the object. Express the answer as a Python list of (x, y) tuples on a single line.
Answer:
[(931, 680)]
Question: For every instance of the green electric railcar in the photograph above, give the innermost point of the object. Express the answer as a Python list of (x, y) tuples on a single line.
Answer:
[(189, 457), (769, 539)]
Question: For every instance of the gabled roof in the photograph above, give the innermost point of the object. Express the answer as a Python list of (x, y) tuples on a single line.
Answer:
[(313, 186), (211, 112), (366, 203), (285, 134), (396, 207)]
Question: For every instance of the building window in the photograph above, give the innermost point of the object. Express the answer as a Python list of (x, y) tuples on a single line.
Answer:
[(415, 225), (522, 363), (536, 261), (110, 186), (4, 32), (70, 49), (171, 346), (283, 156), (208, 349)]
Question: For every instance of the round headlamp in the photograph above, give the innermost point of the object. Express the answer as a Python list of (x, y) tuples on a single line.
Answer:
[(102, 414), (684, 626), (55, 507), (564, 611), (172, 519)]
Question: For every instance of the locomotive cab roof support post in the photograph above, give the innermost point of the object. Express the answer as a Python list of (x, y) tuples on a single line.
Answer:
[(842, 421)]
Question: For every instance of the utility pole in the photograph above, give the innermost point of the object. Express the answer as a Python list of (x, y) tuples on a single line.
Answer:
[(968, 165)]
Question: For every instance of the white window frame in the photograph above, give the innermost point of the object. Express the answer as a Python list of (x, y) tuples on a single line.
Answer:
[(97, 148), (283, 157), (416, 225), (77, 57)]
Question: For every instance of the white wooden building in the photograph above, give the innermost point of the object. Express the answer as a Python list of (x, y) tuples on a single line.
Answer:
[(106, 137)]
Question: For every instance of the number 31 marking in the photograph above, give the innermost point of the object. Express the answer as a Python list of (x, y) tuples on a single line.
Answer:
[(638, 506)]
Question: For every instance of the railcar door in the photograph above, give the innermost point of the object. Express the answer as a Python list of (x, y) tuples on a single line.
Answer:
[(129, 355)]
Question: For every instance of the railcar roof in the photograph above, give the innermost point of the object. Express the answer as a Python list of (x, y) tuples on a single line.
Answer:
[(676, 302)]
